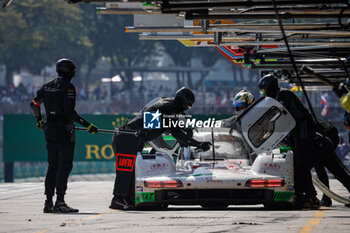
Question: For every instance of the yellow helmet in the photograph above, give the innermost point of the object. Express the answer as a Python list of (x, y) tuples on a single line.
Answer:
[(242, 100)]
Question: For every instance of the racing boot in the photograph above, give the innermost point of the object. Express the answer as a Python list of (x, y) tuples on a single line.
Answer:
[(326, 201), (119, 203), (62, 207), (314, 202), (301, 202), (48, 206)]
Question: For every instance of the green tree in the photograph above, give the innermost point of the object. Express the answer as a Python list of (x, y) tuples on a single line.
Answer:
[(95, 25), (11, 26), (126, 51), (108, 38), (45, 31), (182, 56)]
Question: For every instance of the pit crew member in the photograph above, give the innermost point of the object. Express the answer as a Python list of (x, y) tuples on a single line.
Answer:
[(58, 96), (183, 101)]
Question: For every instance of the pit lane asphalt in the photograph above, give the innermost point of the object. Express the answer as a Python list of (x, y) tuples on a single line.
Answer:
[(21, 211)]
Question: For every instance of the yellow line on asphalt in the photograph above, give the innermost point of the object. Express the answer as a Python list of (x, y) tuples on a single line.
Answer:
[(306, 229), (315, 220), (76, 221), (48, 229), (319, 214)]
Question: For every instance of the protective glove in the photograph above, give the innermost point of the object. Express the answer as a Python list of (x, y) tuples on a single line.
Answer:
[(340, 90), (40, 124), (92, 129), (204, 146)]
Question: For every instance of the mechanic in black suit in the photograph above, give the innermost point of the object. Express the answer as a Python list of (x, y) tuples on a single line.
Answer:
[(300, 139), (58, 96), (123, 185), (310, 144)]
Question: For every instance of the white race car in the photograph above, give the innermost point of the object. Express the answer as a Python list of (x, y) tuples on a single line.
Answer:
[(224, 175)]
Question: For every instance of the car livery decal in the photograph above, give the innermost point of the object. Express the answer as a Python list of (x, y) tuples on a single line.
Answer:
[(144, 197), (235, 167), (283, 196), (272, 166), (159, 166), (235, 170), (125, 162), (212, 181)]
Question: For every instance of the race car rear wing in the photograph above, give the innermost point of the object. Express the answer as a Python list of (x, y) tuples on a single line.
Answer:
[(265, 124)]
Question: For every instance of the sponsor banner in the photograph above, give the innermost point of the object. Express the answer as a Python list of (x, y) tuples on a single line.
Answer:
[(1, 171), (24, 142), (28, 170)]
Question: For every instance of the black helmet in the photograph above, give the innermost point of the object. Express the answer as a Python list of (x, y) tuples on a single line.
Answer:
[(65, 68), (268, 85), (185, 97)]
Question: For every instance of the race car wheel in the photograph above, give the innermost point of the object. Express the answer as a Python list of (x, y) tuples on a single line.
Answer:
[(161, 207), (164, 206)]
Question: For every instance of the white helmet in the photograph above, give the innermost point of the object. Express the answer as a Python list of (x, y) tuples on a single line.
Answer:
[(242, 100)]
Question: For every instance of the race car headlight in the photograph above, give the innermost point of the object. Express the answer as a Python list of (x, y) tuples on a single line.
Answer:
[(163, 183), (258, 183)]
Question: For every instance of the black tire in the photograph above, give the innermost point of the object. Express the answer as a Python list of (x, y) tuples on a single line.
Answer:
[(152, 206), (278, 206), (214, 206)]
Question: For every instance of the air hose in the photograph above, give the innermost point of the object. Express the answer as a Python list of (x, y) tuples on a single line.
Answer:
[(328, 192)]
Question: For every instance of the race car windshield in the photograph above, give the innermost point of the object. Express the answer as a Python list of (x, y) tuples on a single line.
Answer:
[(227, 146)]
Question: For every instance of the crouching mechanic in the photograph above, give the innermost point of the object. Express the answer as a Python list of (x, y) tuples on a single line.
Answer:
[(58, 96), (124, 182)]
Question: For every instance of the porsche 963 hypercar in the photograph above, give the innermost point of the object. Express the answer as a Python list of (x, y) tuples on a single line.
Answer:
[(228, 173)]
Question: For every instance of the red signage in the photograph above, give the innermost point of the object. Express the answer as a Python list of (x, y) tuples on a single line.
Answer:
[(125, 162)]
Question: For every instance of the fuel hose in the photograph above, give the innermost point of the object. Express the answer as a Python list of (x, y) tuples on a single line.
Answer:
[(328, 192)]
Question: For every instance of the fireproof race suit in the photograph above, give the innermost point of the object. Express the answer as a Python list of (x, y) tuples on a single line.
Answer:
[(129, 146), (301, 139), (58, 96)]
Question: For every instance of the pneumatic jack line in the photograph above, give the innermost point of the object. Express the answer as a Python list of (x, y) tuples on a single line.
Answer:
[(117, 131)]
